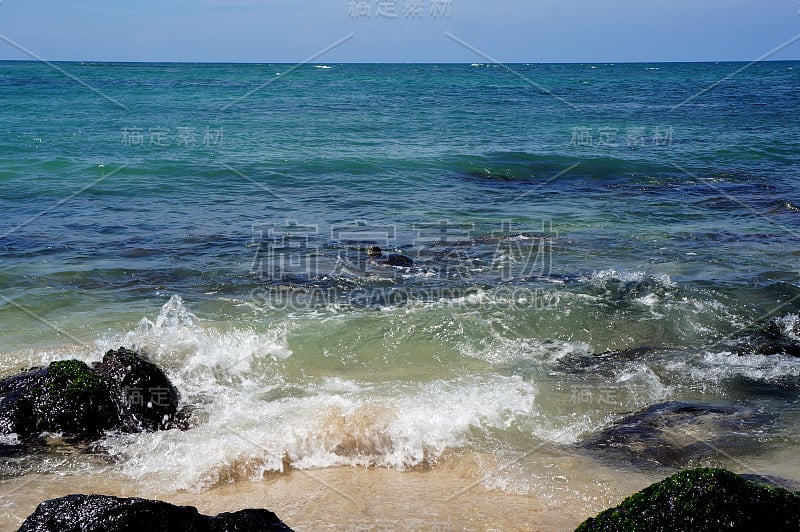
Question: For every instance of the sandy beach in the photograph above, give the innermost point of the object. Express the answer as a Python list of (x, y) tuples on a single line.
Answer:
[(449, 496)]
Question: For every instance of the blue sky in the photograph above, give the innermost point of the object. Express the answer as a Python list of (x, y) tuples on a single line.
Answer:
[(506, 30)]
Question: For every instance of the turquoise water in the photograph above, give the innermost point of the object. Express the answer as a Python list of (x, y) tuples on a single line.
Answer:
[(217, 217)]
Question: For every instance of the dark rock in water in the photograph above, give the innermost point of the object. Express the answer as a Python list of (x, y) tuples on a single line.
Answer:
[(102, 513), (124, 392), (400, 261), (702, 500), (782, 387), (149, 398), (673, 434), (67, 397), (10, 449), (607, 362), (774, 337)]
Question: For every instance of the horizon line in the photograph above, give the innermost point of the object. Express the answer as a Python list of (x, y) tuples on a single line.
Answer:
[(157, 62)]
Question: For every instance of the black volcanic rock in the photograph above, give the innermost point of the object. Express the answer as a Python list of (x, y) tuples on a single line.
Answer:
[(149, 398), (66, 397), (124, 392), (102, 513), (673, 434), (772, 337), (376, 254), (702, 500)]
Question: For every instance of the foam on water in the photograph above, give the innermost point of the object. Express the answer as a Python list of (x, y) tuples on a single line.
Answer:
[(244, 435), (259, 412), (177, 339), (714, 368), (643, 383), (790, 326), (252, 419)]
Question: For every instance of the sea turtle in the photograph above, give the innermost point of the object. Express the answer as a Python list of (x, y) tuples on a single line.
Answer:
[(376, 254)]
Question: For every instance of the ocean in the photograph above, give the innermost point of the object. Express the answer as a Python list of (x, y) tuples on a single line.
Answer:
[(588, 240)]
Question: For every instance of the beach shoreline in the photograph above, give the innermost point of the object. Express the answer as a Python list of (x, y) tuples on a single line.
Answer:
[(449, 496)]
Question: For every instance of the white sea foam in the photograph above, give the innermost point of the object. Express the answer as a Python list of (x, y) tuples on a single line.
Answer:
[(708, 372), (790, 326), (245, 436), (718, 366), (178, 340), (252, 418), (601, 277), (651, 301), (9, 439), (260, 410), (643, 384)]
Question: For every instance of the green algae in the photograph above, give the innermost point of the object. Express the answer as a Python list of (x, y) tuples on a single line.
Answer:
[(73, 378), (702, 499)]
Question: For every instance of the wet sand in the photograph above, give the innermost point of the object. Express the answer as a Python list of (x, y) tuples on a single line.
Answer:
[(449, 496)]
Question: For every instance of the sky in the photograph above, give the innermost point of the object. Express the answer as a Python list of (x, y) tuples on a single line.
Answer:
[(397, 31)]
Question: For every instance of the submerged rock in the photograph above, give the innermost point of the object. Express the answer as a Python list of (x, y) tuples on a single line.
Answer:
[(124, 392), (631, 354), (400, 261), (101, 513), (778, 336), (702, 500), (580, 362), (673, 434)]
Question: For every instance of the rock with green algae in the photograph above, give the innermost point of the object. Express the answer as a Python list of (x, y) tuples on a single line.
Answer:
[(123, 392), (702, 500), (67, 397)]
